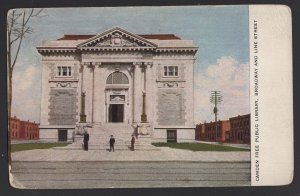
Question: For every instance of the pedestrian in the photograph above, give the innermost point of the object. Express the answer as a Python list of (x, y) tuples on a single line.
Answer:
[(86, 139), (112, 143), (132, 142), (73, 136)]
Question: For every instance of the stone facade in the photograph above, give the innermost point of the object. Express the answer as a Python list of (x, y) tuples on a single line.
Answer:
[(114, 70)]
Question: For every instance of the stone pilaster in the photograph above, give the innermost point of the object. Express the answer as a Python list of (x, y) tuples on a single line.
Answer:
[(137, 89), (148, 90)]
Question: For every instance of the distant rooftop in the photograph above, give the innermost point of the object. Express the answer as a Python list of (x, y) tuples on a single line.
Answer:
[(146, 36)]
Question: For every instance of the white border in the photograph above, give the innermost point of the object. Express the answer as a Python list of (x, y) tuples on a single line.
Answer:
[(275, 101)]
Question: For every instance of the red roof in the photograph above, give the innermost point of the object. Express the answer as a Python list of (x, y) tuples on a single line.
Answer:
[(146, 36), (160, 36), (75, 37)]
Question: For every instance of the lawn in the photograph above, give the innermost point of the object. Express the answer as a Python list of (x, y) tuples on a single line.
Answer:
[(199, 146), (31, 146)]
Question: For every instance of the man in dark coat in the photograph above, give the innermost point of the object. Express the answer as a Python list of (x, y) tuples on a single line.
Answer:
[(86, 139), (112, 143), (132, 142)]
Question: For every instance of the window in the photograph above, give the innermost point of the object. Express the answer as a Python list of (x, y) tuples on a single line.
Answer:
[(171, 71), (172, 136), (64, 71), (117, 78), (62, 135)]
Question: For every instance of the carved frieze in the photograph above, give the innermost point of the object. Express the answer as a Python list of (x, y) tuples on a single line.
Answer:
[(170, 84), (63, 84)]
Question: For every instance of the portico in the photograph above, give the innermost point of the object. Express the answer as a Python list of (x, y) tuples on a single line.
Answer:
[(120, 97)]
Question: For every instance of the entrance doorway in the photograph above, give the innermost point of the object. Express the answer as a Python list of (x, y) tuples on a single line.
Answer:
[(116, 112)]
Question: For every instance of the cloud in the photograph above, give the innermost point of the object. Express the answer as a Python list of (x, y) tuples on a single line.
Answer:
[(26, 93), (231, 78), (22, 80)]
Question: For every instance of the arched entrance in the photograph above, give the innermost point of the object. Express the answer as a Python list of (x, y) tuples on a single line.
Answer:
[(117, 85)]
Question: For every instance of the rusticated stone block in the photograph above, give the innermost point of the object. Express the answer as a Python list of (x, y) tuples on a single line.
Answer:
[(171, 107), (63, 106)]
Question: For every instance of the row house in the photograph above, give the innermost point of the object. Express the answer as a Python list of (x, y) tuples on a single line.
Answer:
[(23, 129), (234, 130), (207, 131)]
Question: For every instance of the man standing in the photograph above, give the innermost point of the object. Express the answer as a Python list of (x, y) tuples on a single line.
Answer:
[(86, 139), (132, 142), (112, 143)]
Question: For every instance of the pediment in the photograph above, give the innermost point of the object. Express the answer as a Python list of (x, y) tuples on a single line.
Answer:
[(116, 38)]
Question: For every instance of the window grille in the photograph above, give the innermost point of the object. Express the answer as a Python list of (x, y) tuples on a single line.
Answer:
[(117, 78)]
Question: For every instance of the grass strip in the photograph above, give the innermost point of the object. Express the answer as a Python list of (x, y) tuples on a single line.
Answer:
[(32, 146), (199, 147)]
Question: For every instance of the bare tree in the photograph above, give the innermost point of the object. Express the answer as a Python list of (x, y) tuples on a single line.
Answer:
[(17, 28)]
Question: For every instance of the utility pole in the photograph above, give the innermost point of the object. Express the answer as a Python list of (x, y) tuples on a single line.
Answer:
[(215, 99)]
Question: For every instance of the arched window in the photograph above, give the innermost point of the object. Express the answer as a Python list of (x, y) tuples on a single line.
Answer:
[(117, 78)]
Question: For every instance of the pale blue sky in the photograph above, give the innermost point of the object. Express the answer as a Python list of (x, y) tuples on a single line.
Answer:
[(221, 32)]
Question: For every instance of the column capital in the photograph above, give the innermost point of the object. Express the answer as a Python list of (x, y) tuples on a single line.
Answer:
[(85, 63), (137, 64), (148, 64), (97, 64), (91, 64)]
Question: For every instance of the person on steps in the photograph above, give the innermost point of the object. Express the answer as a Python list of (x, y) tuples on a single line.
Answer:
[(86, 139), (112, 143), (132, 142)]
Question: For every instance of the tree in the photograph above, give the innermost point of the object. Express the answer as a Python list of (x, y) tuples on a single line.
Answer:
[(17, 28)]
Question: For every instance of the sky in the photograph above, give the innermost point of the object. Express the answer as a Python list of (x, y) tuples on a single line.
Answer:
[(220, 32)]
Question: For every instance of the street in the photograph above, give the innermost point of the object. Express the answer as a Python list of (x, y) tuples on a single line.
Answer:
[(128, 174)]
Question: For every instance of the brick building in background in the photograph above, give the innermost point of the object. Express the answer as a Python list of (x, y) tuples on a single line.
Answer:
[(234, 130), (239, 130), (207, 131), (23, 130)]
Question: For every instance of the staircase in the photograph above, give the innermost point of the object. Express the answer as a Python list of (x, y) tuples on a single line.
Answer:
[(100, 135)]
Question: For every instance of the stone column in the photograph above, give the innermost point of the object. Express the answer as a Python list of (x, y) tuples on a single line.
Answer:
[(137, 92), (144, 115), (148, 89), (82, 110), (83, 114), (81, 70), (92, 68)]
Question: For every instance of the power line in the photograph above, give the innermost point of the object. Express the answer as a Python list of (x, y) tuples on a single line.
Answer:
[(216, 98)]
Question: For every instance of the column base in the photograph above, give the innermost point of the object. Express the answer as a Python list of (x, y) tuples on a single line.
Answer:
[(143, 128), (143, 118), (82, 118)]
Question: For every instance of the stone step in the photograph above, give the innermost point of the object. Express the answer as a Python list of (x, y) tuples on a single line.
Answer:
[(79, 146), (122, 132)]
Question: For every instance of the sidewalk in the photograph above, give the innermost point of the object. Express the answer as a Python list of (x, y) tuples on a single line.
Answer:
[(244, 146), (162, 154)]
